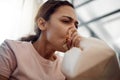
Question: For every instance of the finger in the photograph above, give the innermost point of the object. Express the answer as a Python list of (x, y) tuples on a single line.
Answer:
[(73, 38), (77, 42), (69, 31), (72, 31), (69, 36), (69, 43)]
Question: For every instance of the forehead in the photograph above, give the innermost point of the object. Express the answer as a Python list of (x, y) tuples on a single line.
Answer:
[(65, 11)]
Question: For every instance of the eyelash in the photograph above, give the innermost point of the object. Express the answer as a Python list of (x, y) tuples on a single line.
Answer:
[(67, 22)]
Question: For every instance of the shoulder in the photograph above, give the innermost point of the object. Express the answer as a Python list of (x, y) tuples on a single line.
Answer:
[(12, 47), (7, 59), (8, 48), (14, 44), (5, 47)]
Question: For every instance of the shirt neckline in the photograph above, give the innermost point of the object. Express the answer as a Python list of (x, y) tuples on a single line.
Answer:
[(41, 59)]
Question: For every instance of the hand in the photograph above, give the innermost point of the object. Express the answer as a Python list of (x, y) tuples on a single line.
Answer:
[(75, 39), (72, 38)]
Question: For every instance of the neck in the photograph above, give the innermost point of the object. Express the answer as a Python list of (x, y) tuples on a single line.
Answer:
[(44, 48)]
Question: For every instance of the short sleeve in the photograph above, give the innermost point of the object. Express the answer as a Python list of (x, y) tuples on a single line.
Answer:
[(7, 60)]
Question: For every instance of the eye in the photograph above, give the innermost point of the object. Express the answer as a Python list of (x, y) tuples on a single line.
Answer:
[(66, 21)]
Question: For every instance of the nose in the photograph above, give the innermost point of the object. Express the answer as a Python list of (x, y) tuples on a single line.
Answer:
[(73, 27)]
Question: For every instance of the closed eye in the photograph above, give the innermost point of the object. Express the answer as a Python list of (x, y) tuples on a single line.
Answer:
[(69, 20), (66, 21)]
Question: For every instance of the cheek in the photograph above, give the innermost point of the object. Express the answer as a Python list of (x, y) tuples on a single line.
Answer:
[(58, 31), (56, 34)]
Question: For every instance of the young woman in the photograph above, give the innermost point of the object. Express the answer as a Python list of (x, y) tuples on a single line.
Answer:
[(34, 58)]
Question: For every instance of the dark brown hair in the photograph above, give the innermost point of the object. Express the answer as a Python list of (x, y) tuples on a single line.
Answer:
[(45, 11)]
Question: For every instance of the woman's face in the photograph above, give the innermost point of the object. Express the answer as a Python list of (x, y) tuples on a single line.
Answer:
[(58, 26)]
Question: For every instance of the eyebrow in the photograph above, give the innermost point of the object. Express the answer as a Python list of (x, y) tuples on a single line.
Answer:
[(70, 18)]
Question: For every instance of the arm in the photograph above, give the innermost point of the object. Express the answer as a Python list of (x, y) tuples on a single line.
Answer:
[(96, 57), (7, 64)]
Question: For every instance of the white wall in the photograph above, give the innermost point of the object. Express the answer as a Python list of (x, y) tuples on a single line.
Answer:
[(16, 18)]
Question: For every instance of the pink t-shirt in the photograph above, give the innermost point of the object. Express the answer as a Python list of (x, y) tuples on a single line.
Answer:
[(20, 61)]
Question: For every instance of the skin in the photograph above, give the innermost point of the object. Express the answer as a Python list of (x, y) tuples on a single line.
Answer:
[(61, 23)]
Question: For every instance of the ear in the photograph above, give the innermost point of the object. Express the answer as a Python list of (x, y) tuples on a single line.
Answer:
[(41, 23)]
